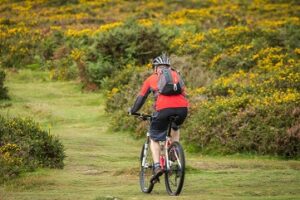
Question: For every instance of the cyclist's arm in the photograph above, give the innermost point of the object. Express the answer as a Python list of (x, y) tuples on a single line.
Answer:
[(140, 100)]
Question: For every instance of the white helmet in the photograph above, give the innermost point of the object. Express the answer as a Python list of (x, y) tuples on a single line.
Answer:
[(161, 60)]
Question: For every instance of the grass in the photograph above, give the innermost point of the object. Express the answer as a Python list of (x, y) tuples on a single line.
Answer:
[(101, 164)]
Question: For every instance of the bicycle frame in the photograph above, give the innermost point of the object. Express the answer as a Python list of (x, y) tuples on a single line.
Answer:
[(163, 159), (168, 164), (168, 143)]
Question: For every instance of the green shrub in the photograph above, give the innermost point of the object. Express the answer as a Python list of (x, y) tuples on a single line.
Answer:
[(24, 146), (237, 124), (131, 42), (97, 71), (122, 92), (60, 2), (3, 90)]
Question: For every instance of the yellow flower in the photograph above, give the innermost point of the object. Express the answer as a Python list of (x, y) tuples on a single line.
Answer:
[(55, 28), (149, 66), (215, 60), (197, 91), (236, 30), (77, 33), (77, 54), (155, 4), (112, 93), (109, 26), (214, 31), (297, 51), (145, 22)]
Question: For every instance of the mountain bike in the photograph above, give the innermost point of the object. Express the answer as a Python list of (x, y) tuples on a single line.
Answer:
[(172, 161)]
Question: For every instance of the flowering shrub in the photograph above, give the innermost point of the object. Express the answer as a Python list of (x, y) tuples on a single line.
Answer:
[(25, 146), (18, 45), (11, 161), (245, 124), (240, 61)]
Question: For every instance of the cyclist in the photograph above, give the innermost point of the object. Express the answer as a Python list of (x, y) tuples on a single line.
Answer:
[(165, 106)]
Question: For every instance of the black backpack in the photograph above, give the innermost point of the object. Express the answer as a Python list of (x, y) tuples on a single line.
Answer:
[(169, 81)]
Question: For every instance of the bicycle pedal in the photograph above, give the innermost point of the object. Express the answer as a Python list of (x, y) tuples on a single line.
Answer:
[(155, 180)]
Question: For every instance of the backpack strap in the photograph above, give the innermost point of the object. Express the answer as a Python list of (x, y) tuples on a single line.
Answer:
[(167, 75)]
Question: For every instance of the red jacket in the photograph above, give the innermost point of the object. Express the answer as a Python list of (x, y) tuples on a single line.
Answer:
[(161, 101)]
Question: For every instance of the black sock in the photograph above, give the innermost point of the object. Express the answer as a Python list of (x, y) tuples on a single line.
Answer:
[(156, 165)]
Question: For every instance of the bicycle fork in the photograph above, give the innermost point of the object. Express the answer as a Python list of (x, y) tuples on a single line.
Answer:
[(146, 147)]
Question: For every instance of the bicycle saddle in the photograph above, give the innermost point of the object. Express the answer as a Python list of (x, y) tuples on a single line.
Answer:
[(173, 118)]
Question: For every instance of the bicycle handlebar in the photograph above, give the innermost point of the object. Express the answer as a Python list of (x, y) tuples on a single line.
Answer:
[(142, 116)]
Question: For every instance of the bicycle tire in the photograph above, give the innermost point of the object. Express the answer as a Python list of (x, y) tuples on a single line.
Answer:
[(146, 171), (174, 177)]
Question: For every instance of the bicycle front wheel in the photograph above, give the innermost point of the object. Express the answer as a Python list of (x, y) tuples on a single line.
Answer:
[(146, 172), (174, 177)]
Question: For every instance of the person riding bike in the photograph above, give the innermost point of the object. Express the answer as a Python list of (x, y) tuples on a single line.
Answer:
[(165, 106)]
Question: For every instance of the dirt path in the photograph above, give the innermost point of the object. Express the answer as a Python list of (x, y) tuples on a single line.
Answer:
[(101, 164)]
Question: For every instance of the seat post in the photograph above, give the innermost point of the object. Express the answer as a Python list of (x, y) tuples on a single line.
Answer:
[(171, 120)]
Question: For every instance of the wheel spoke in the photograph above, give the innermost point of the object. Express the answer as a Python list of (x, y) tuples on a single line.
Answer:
[(175, 177), (177, 158), (146, 170)]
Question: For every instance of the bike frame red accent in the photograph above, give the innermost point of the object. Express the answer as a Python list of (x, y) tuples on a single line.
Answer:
[(162, 161)]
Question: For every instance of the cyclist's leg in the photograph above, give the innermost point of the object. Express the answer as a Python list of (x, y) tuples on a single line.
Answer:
[(155, 149), (158, 171), (158, 131), (175, 133)]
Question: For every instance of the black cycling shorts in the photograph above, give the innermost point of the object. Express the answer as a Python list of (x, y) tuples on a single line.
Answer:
[(160, 121)]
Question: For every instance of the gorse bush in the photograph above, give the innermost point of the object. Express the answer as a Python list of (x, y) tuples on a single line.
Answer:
[(239, 60), (21, 53), (248, 103), (24, 146), (237, 125)]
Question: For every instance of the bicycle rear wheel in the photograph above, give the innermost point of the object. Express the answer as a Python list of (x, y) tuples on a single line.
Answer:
[(146, 172), (174, 177)]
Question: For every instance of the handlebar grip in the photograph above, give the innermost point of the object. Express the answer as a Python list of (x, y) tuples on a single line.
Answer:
[(142, 116)]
